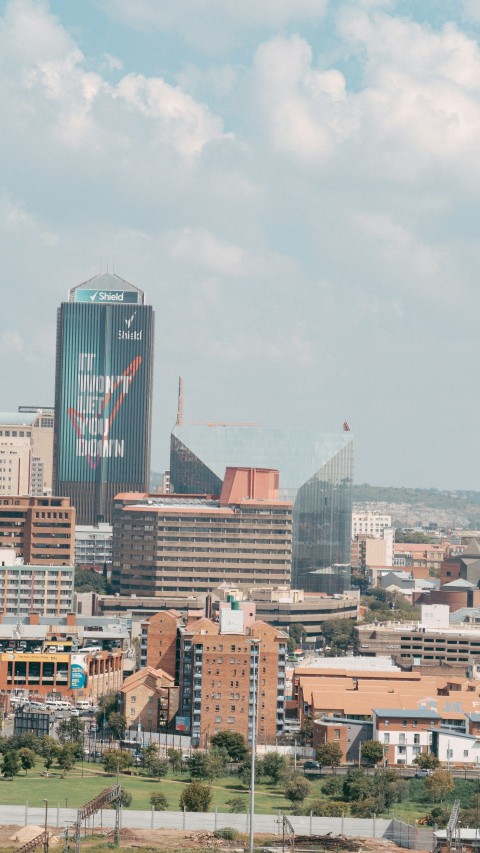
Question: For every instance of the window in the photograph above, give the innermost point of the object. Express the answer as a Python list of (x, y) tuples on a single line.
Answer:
[(402, 738), (386, 738), (416, 738)]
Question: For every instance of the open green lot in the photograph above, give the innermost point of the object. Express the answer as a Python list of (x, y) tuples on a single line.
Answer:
[(75, 790)]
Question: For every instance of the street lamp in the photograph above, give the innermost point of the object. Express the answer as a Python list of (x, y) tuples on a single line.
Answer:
[(255, 643), (45, 843)]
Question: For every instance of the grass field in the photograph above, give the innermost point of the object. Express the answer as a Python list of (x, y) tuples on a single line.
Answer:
[(76, 790)]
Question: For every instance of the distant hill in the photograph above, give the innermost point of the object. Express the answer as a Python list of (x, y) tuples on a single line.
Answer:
[(411, 507)]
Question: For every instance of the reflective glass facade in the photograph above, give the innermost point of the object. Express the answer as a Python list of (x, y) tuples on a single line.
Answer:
[(316, 471)]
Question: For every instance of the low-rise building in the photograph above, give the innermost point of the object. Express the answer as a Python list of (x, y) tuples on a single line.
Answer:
[(404, 732), (149, 700), (348, 734), (454, 748)]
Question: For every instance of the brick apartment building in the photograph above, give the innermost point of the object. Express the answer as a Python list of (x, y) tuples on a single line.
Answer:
[(160, 642), (218, 664), (192, 543), (149, 700), (41, 530)]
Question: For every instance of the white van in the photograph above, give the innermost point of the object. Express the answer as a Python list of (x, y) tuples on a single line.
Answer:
[(84, 705)]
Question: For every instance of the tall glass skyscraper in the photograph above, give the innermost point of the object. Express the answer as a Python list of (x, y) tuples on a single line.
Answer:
[(316, 472), (103, 394)]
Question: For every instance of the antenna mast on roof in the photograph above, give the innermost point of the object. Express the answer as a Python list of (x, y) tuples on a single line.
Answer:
[(180, 402)]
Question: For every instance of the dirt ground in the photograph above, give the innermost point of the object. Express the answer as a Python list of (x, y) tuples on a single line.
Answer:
[(179, 839)]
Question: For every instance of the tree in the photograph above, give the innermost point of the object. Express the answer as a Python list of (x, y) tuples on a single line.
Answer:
[(275, 766), (48, 749), (338, 634), (149, 753), (296, 636), (116, 761), (11, 764), (426, 761), (125, 798), (106, 705), (364, 808), (117, 725), (88, 580), (297, 788), (175, 757), (356, 785), (203, 765), (326, 808), (71, 730), (159, 802), (329, 754), (439, 784), (333, 787), (66, 757), (372, 750), (236, 805), (196, 797), (158, 768), (27, 758), (306, 732), (232, 742)]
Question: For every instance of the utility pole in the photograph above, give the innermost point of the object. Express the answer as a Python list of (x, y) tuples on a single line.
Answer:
[(255, 652)]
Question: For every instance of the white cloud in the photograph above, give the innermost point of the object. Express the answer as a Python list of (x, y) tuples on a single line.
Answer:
[(214, 24), (418, 107), (47, 84)]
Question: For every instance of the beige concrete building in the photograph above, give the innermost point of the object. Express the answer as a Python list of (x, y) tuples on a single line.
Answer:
[(192, 543), (26, 452), (370, 523)]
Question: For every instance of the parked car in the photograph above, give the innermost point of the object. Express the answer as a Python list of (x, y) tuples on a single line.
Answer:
[(420, 773), (312, 765)]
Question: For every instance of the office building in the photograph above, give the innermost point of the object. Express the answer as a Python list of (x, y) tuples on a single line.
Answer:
[(316, 472), (175, 543), (41, 531), (103, 392), (93, 545), (26, 452), (24, 589)]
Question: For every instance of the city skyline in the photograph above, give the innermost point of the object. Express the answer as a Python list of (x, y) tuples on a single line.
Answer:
[(293, 185)]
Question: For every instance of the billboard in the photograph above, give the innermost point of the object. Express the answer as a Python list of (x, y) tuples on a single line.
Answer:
[(103, 395), (78, 672), (107, 297)]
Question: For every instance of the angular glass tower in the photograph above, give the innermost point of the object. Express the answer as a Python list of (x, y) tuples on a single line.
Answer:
[(103, 394), (316, 472)]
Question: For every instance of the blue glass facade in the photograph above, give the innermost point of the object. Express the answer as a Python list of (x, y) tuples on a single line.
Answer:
[(316, 472), (103, 391)]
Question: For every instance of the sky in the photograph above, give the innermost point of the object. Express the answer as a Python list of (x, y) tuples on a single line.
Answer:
[(295, 184)]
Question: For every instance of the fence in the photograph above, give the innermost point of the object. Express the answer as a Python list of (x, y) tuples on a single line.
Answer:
[(410, 836)]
